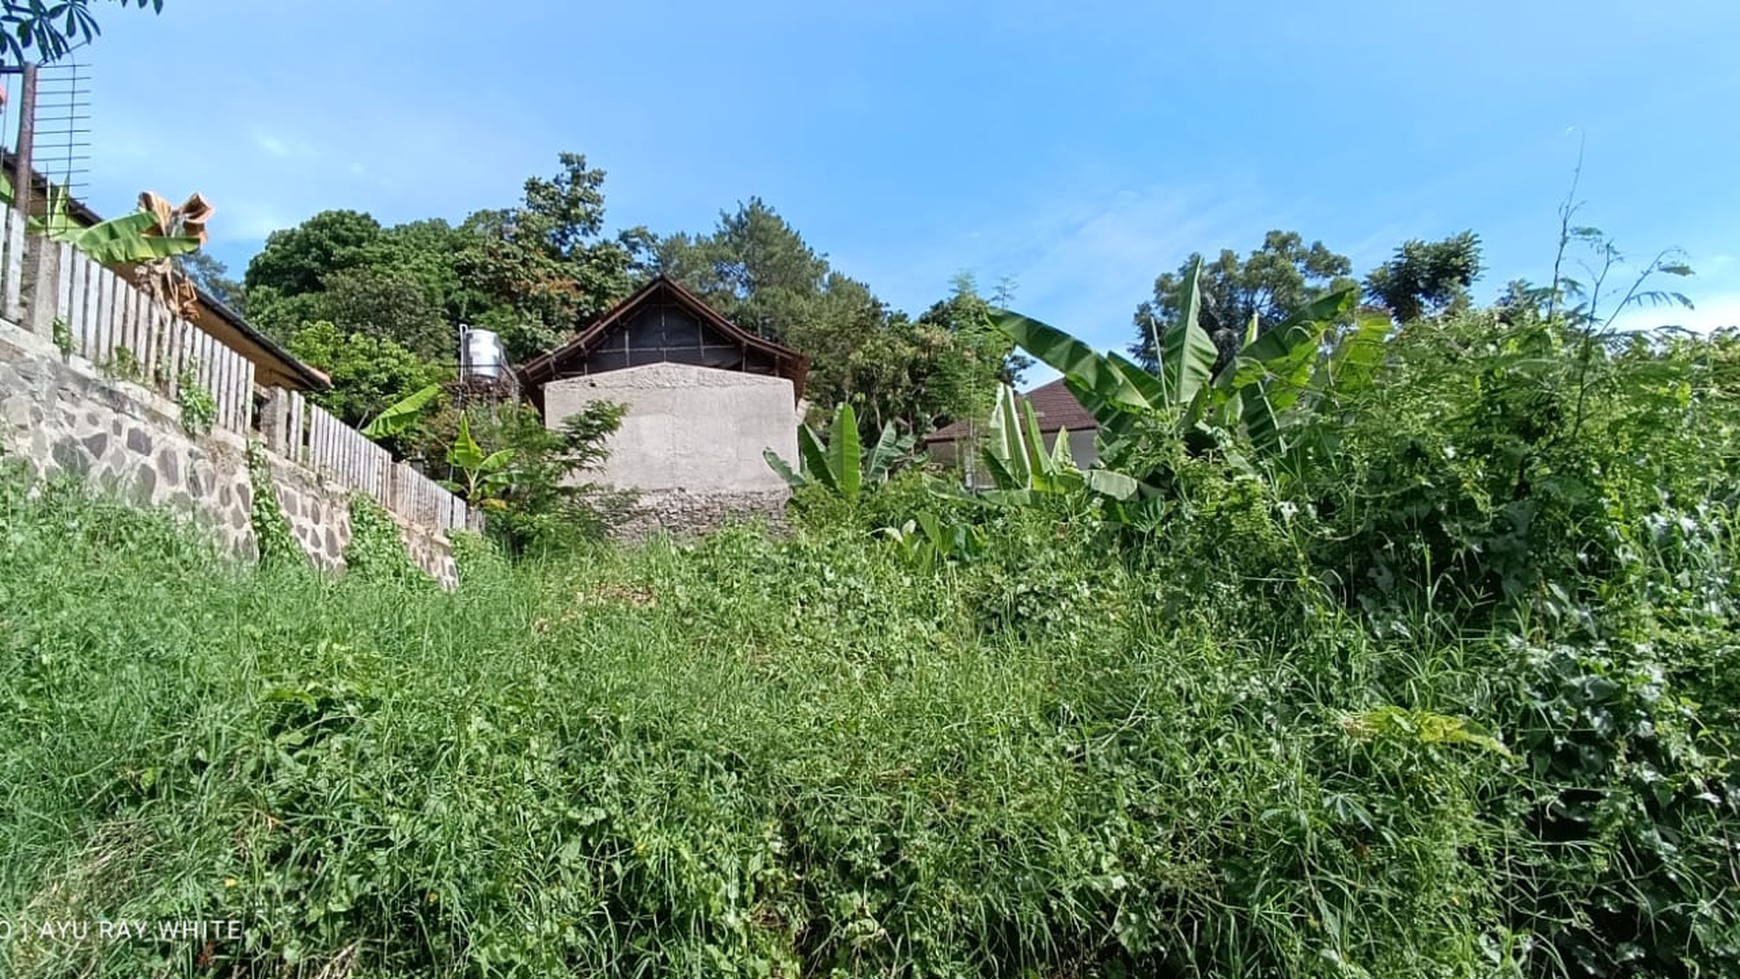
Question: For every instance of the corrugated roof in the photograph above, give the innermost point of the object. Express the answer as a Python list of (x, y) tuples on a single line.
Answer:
[(1053, 405)]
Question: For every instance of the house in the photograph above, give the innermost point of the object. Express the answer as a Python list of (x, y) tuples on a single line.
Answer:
[(273, 365), (1055, 408), (705, 400)]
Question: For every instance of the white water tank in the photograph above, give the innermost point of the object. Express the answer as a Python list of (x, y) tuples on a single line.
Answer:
[(481, 356)]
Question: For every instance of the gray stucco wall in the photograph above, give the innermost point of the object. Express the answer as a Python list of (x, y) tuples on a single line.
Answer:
[(62, 415), (691, 441)]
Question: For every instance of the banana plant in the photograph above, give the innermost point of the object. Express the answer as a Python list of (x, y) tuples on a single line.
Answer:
[(1271, 386), (1021, 467), (487, 477), (128, 239), (925, 543), (840, 464), (398, 417)]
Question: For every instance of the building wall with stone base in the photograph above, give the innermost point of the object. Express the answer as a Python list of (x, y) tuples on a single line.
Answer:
[(62, 415), (691, 444)]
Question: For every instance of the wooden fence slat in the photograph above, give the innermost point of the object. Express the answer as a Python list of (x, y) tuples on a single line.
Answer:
[(94, 311), (173, 343), (63, 293), (187, 362), (125, 295), (207, 361), (220, 363), (316, 440), (247, 396), (82, 329), (106, 314), (298, 432), (238, 403), (14, 281), (227, 381), (150, 336)]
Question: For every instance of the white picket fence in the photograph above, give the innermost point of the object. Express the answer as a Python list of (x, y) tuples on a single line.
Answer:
[(127, 333), (305, 433)]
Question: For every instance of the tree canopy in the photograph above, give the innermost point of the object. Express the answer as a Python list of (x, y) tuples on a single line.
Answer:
[(45, 30), (1274, 280), (1426, 278), (757, 270)]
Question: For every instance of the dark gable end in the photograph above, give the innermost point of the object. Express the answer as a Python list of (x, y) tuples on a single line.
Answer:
[(663, 323)]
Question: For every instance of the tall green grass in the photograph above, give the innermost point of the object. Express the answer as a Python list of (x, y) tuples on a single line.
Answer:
[(751, 756)]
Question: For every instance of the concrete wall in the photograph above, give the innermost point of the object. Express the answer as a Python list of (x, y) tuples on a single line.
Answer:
[(691, 441), (62, 415)]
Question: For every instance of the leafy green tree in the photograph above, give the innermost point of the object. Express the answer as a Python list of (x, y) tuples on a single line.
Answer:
[(297, 260), (1273, 282), (388, 303), (545, 266), (368, 372), (51, 28), (758, 271), (1426, 278)]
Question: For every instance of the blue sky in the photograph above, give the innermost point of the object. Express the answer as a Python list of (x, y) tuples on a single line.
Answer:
[(1080, 147)]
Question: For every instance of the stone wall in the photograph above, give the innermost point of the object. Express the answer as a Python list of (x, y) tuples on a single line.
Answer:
[(691, 443), (684, 514), (62, 415)]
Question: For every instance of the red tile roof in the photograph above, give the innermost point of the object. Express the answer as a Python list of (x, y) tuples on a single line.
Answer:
[(1053, 405)]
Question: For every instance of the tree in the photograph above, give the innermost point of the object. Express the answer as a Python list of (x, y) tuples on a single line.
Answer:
[(368, 373), (755, 269), (1426, 278), (1274, 281), (758, 272), (296, 261), (51, 28), (388, 303), (544, 265), (210, 274)]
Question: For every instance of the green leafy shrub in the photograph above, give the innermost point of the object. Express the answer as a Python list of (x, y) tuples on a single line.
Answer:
[(274, 542), (198, 407), (375, 551)]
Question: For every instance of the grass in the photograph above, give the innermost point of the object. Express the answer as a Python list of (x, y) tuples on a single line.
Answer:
[(739, 757)]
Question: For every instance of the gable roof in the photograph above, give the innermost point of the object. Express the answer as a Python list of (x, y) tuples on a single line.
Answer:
[(1053, 405), (788, 363)]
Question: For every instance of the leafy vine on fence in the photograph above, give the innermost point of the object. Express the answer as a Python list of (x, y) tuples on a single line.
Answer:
[(375, 551), (198, 407), (276, 544)]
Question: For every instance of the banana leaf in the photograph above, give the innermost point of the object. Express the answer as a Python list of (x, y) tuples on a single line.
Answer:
[(813, 456), (778, 465), (1187, 352), (395, 418), (123, 239), (845, 454), (889, 447)]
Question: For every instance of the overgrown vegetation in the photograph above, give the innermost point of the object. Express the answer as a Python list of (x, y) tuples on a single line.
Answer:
[(1455, 699), (375, 551), (274, 542), (198, 407)]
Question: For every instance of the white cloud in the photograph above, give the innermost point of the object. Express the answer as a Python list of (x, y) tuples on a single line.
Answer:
[(281, 148)]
